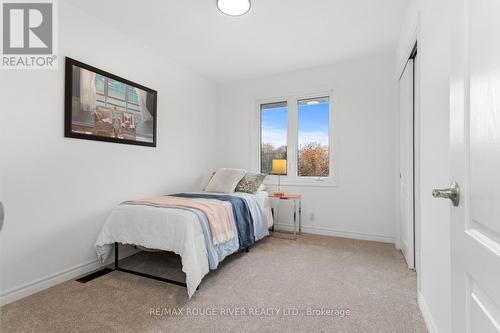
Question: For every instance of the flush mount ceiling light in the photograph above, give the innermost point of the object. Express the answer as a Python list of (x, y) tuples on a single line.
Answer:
[(233, 7)]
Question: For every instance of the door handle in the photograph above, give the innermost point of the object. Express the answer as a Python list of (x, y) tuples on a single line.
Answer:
[(452, 193)]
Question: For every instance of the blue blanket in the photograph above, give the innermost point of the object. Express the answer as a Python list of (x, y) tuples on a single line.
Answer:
[(241, 211)]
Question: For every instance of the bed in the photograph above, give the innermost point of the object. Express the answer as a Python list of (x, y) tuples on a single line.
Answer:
[(182, 223)]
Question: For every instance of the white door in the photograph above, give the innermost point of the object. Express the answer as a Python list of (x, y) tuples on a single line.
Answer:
[(475, 153), (406, 207)]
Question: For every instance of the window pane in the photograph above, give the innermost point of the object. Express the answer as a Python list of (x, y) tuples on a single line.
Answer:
[(133, 107), (313, 134), (115, 102), (274, 123), (116, 89), (100, 98), (99, 84), (132, 95)]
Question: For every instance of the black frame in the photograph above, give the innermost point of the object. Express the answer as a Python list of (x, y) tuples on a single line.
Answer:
[(106, 270), (149, 276), (68, 133)]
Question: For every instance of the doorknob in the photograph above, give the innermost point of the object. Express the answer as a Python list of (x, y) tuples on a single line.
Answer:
[(452, 193)]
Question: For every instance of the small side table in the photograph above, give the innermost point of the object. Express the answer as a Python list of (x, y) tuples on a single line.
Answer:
[(297, 211)]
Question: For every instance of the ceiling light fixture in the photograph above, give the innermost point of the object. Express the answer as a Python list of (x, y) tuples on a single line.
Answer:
[(233, 7)]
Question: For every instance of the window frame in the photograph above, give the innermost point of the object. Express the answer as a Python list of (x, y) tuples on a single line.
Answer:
[(260, 134), (292, 178)]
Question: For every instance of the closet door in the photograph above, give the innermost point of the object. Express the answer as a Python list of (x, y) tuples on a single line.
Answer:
[(406, 170)]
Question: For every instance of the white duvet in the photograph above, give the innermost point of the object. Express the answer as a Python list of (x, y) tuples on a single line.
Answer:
[(168, 229)]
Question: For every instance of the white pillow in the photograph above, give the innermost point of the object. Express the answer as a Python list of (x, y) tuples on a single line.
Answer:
[(225, 180)]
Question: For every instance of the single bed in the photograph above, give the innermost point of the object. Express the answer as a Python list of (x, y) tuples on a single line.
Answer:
[(181, 226)]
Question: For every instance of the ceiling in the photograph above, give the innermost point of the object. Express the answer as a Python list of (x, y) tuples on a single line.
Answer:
[(274, 36)]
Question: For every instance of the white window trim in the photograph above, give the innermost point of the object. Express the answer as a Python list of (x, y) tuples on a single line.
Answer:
[(292, 179)]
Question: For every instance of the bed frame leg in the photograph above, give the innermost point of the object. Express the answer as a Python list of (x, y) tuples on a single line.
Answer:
[(116, 255)]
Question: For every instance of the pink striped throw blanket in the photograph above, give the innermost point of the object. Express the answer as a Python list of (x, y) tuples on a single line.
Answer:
[(218, 213)]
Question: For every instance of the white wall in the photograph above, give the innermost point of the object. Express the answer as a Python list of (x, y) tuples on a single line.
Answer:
[(58, 191), (365, 102), (428, 20)]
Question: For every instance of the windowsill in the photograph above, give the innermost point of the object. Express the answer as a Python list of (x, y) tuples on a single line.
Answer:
[(297, 182)]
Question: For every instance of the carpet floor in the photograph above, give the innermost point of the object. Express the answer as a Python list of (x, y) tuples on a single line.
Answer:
[(314, 284)]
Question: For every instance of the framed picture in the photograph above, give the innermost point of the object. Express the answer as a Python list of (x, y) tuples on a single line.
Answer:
[(105, 107)]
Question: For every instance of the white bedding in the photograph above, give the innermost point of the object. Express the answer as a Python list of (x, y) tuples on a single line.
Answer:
[(168, 229), (265, 203)]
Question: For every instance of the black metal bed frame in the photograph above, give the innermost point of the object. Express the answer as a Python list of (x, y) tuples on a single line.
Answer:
[(117, 267), (149, 276)]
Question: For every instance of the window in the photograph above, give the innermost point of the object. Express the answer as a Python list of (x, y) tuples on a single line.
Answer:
[(273, 131), (299, 130), (116, 95), (313, 137)]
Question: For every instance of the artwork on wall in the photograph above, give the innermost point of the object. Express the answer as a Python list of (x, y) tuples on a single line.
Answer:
[(104, 107)]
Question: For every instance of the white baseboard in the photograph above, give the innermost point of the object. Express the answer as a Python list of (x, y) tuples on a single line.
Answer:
[(48, 281), (429, 322), (339, 233)]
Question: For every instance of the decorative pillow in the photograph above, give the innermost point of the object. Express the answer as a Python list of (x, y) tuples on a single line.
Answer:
[(225, 180), (250, 183)]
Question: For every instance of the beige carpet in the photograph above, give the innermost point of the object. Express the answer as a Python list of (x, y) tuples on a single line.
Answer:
[(270, 289)]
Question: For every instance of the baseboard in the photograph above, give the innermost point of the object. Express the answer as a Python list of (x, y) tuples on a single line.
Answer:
[(339, 233), (426, 314), (27, 289), (48, 281)]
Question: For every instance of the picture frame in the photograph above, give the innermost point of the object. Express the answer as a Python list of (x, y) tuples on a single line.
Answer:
[(102, 106)]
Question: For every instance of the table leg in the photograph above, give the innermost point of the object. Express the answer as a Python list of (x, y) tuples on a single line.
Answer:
[(295, 219), (274, 220), (300, 216)]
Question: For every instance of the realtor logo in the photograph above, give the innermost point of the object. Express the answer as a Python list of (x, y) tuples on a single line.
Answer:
[(28, 34)]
